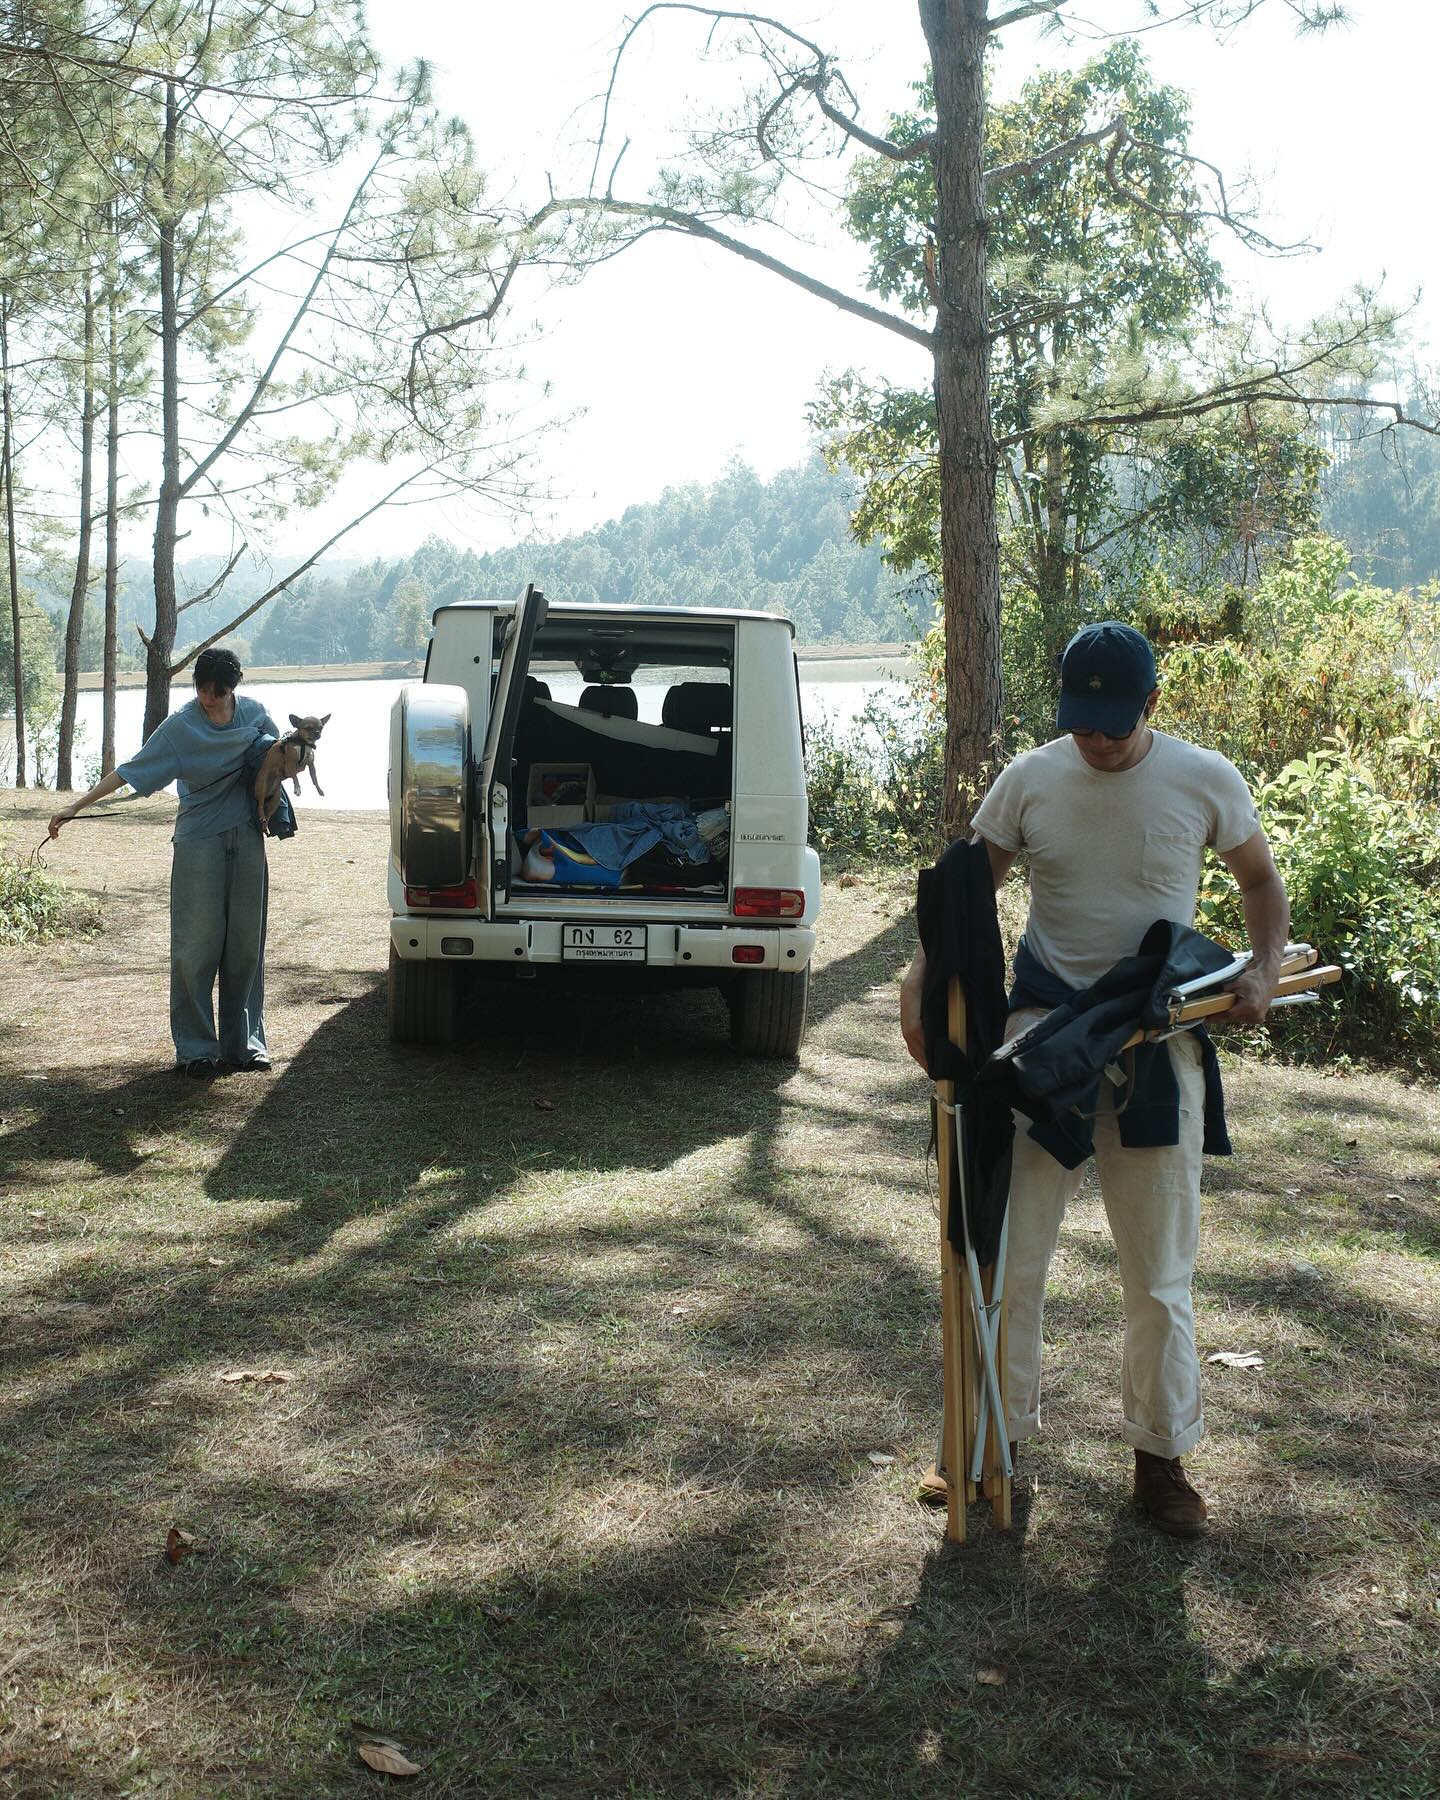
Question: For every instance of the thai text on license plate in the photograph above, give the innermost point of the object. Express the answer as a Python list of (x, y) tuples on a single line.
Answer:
[(602, 943)]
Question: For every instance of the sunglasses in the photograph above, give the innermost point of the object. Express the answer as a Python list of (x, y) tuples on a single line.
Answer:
[(1110, 737)]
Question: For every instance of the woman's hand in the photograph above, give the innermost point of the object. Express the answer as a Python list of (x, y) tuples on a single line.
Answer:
[(103, 788)]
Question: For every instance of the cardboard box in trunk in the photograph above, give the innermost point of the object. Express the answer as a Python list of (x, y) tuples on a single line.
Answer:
[(560, 794)]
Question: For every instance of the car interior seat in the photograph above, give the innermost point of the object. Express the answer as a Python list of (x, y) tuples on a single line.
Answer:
[(704, 707), (612, 702)]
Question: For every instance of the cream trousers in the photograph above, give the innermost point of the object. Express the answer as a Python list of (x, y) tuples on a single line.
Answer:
[(1152, 1199)]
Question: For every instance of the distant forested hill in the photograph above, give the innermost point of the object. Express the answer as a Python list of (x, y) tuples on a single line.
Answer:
[(780, 546), (1382, 497)]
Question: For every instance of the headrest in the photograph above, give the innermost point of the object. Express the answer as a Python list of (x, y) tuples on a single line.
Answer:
[(699, 706), (616, 702), (535, 690)]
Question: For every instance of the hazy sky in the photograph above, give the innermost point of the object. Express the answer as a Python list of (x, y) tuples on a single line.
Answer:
[(681, 357)]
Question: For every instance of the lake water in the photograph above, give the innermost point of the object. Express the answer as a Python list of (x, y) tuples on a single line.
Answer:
[(354, 751)]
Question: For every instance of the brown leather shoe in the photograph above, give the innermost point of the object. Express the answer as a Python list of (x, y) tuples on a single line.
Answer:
[(1166, 1498)]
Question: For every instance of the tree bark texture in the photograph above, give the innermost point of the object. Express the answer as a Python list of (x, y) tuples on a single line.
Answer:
[(112, 527), (956, 33), (160, 648), (7, 474), (75, 619)]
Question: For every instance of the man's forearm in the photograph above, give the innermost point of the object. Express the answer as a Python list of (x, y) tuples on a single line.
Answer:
[(911, 991), (1267, 922)]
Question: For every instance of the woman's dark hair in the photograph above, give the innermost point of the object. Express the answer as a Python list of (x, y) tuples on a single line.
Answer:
[(218, 668)]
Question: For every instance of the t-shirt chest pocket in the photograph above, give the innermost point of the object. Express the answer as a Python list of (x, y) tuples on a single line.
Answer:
[(1171, 858)]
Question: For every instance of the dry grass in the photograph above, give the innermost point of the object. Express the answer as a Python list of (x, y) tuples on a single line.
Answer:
[(569, 1490)]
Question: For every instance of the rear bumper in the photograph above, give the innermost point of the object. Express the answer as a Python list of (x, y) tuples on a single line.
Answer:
[(668, 946)]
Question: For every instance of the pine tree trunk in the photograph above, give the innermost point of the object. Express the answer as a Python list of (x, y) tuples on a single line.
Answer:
[(955, 31), (79, 592), (112, 527), (7, 475), (160, 648)]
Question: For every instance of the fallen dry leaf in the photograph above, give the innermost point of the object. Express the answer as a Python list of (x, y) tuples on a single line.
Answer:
[(880, 1458), (215, 1262), (387, 1759), (178, 1544), (257, 1375), (1237, 1359), (544, 1106), (382, 1754), (991, 1677)]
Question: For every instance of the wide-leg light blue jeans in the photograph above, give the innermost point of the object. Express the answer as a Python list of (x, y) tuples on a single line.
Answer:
[(219, 896)]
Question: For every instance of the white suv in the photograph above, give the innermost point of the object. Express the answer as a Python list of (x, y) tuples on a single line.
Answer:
[(545, 738)]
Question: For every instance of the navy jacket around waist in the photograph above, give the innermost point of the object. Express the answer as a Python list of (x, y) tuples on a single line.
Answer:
[(1052, 1072)]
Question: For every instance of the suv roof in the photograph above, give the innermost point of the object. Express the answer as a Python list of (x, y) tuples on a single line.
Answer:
[(586, 608)]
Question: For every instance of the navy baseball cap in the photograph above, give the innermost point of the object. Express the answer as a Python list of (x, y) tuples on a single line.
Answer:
[(1106, 676)]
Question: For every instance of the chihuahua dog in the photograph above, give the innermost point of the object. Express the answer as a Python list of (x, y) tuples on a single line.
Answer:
[(284, 761)]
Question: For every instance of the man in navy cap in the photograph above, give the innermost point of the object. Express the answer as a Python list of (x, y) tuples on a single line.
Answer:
[(1114, 819)]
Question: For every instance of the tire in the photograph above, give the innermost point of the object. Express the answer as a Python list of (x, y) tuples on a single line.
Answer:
[(424, 1001), (767, 1012)]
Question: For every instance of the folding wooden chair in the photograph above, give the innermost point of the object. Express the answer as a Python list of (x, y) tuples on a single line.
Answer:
[(974, 1452)]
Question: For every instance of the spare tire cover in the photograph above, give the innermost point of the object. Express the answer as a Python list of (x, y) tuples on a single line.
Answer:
[(434, 812)]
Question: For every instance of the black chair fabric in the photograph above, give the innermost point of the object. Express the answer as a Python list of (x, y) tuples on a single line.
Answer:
[(703, 706), (614, 702)]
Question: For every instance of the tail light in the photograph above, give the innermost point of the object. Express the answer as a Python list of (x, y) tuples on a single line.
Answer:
[(768, 903), (748, 953), (465, 898)]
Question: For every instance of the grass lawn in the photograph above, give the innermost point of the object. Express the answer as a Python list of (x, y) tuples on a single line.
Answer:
[(587, 1331)]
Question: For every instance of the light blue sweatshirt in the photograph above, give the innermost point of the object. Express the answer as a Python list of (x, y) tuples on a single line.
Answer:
[(206, 762)]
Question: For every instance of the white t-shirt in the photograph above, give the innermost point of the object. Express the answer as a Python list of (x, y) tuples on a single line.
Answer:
[(1112, 851)]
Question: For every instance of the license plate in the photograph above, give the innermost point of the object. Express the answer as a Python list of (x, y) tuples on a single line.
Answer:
[(602, 943)]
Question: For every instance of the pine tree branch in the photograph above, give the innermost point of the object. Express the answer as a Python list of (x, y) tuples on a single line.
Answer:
[(816, 80), (267, 375), (1031, 165), (1248, 389), (1223, 214), (215, 586), (301, 569), (1031, 9), (1042, 315), (670, 218), (129, 72)]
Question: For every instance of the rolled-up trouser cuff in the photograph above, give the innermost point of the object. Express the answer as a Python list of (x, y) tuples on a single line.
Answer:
[(1140, 1439), (1027, 1427)]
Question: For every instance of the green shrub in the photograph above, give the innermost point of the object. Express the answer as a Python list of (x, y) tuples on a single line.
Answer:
[(1307, 659), (1360, 866), (875, 789), (36, 907)]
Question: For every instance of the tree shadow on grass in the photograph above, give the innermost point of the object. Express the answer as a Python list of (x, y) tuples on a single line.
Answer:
[(568, 1489), (477, 1352)]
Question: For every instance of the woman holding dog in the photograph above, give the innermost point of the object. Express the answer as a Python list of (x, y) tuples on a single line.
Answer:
[(219, 886)]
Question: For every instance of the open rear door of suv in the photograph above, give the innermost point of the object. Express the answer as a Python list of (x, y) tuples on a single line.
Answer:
[(495, 808)]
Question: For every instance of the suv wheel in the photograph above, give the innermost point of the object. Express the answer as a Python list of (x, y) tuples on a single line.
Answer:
[(424, 999), (767, 1012)]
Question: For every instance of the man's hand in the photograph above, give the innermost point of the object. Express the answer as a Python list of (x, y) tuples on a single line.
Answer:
[(1267, 922), (1255, 990)]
